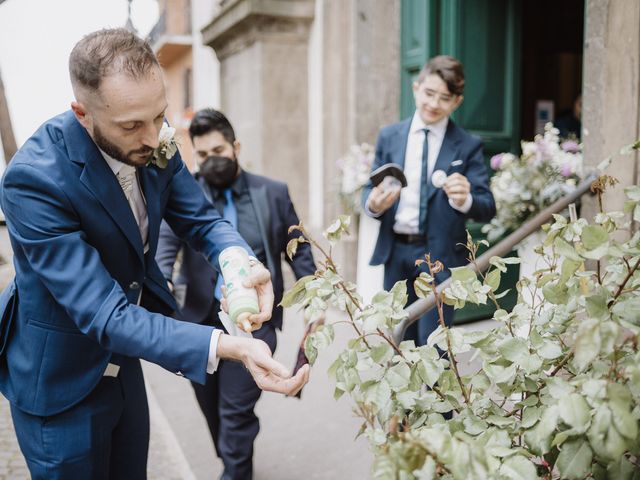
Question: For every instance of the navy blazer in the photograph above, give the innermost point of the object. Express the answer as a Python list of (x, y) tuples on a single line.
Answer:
[(445, 229), (196, 279), (80, 267)]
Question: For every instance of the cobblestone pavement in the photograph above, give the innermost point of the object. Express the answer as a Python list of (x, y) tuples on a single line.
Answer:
[(12, 465)]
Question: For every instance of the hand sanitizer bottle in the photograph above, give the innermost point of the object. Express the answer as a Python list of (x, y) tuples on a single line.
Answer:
[(241, 301)]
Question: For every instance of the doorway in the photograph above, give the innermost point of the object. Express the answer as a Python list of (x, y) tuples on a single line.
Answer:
[(551, 62)]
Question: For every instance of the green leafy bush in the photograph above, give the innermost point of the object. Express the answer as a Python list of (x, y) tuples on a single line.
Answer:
[(555, 392)]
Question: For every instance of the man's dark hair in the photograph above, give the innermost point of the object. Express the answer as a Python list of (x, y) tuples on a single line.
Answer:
[(209, 120), (107, 51), (449, 69)]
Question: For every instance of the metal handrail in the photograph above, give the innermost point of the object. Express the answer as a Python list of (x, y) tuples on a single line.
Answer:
[(423, 305)]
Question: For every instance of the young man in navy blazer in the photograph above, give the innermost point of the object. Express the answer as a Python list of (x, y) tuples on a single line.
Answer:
[(83, 199), (263, 214), (423, 217)]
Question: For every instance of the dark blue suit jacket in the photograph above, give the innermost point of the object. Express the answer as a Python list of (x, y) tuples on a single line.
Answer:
[(80, 266), (275, 214), (445, 227)]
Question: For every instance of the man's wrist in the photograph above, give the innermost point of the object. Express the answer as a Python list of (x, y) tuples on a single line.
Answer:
[(232, 348)]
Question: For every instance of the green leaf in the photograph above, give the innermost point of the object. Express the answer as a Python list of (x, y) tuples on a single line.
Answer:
[(407, 399), (422, 285), (575, 412), (514, 349), (398, 377), (337, 363), (337, 228), (574, 461), (596, 304), (493, 279), (563, 249), (296, 293), (463, 274), (518, 467), (569, 267), (594, 236), (622, 469), (430, 371), (627, 309), (381, 353), (310, 350), (556, 293), (550, 350), (587, 344), (530, 417), (500, 374), (499, 263)]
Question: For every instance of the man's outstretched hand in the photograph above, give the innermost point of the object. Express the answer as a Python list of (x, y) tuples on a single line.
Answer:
[(268, 374)]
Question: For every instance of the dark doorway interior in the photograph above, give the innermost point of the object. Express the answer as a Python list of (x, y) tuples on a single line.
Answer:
[(552, 46)]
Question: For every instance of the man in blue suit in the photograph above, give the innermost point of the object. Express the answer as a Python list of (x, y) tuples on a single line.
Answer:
[(263, 214), (423, 217), (83, 199)]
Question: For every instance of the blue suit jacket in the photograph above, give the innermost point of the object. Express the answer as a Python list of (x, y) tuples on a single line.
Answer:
[(275, 214), (80, 265), (445, 229)]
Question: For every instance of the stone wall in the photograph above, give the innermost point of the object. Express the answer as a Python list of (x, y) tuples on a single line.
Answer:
[(611, 96)]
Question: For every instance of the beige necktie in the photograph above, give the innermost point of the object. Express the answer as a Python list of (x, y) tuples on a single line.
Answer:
[(128, 179)]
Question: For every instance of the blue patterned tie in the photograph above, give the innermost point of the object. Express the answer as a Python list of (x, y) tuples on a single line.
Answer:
[(229, 213), (424, 185)]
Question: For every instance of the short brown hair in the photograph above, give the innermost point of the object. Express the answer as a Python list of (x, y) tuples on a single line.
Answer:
[(107, 51), (449, 69)]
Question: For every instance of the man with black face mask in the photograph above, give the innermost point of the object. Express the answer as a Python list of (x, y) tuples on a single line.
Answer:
[(262, 211)]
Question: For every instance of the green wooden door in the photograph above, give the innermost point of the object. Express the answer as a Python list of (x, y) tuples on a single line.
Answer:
[(484, 35)]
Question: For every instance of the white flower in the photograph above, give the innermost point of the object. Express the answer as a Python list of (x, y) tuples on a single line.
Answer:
[(167, 147), (166, 134), (354, 168)]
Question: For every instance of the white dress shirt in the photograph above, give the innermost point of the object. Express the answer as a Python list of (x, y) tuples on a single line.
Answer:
[(408, 212), (138, 204)]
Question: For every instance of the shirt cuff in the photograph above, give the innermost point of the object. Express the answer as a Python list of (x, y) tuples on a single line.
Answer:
[(212, 363), (369, 212), (466, 206)]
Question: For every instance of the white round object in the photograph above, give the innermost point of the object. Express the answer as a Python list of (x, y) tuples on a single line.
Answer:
[(438, 178)]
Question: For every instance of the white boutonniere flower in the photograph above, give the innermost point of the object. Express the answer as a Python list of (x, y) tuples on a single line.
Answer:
[(167, 147)]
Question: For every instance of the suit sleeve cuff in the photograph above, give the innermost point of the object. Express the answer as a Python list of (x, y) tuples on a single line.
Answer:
[(369, 212), (212, 363), (466, 206)]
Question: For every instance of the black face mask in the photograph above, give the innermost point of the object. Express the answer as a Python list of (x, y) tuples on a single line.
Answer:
[(219, 172)]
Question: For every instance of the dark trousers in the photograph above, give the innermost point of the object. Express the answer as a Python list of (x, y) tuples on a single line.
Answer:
[(105, 436), (402, 266), (227, 401)]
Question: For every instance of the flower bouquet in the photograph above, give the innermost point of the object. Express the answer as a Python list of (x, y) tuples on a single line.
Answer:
[(548, 169), (354, 167)]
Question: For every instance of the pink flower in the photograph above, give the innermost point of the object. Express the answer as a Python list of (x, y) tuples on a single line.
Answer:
[(565, 170), (496, 161), (570, 146)]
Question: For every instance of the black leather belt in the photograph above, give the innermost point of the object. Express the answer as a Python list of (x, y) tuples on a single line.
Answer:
[(410, 238)]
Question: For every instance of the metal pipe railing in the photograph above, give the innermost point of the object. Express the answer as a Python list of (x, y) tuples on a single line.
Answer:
[(423, 305)]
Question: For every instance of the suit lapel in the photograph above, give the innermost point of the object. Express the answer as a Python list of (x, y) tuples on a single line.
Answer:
[(400, 139), (448, 152), (99, 179), (398, 148), (259, 200)]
